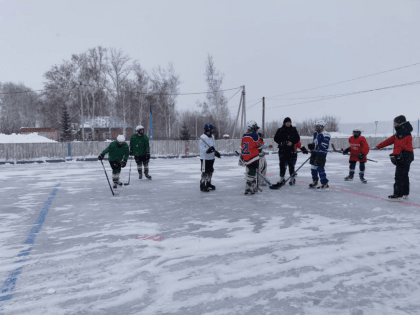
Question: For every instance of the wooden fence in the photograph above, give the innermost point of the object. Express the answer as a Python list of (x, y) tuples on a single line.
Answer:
[(47, 151)]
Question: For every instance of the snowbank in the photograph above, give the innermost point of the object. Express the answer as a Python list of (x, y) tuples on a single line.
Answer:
[(26, 138)]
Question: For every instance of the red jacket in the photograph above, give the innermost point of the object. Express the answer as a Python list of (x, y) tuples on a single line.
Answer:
[(358, 145), (404, 144), (250, 144), (298, 145)]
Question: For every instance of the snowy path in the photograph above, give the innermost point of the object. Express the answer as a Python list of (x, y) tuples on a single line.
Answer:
[(293, 251)]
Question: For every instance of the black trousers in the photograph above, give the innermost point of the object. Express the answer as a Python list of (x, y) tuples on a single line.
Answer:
[(286, 158), (207, 166), (402, 181)]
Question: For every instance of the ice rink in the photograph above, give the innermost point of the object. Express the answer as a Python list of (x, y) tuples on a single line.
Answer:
[(163, 247)]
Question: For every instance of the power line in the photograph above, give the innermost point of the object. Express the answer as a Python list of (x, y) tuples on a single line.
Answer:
[(362, 77), (233, 95), (351, 93), (137, 92)]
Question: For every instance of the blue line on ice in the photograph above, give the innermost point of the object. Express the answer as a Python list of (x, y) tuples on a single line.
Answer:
[(9, 284)]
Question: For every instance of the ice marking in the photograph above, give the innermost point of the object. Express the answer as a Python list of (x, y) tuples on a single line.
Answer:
[(6, 291)]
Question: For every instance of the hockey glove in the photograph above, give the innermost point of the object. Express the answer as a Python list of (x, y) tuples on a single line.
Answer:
[(210, 150), (346, 151), (361, 156), (147, 157), (100, 157), (217, 154), (311, 146), (396, 159), (123, 164), (304, 150)]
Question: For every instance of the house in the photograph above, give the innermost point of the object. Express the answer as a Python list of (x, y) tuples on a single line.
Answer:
[(102, 125), (49, 133)]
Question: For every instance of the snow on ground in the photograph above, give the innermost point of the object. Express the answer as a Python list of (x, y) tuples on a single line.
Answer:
[(163, 247), (23, 138)]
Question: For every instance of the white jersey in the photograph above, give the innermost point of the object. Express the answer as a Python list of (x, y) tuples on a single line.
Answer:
[(203, 147)]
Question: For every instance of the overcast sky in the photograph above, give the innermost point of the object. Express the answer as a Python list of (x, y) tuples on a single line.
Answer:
[(271, 47)]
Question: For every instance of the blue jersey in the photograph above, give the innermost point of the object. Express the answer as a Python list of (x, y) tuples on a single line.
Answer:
[(322, 142)]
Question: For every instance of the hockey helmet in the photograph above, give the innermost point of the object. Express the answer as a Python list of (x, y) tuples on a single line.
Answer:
[(252, 125)]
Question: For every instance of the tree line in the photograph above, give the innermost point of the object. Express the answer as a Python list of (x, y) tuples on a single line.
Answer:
[(108, 82)]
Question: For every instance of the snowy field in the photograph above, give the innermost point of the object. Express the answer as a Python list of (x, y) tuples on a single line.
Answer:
[(163, 247)]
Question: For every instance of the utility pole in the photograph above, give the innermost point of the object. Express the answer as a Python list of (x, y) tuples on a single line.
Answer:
[(244, 105), (263, 117), (83, 116)]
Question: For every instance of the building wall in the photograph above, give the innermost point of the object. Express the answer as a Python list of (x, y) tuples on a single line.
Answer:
[(49, 133)]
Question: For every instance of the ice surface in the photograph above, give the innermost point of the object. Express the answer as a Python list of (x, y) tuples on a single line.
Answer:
[(163, 247)]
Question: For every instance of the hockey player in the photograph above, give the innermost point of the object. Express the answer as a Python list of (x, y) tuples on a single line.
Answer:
[(319, 149), (358, 149), (207, 153), (262, 164), (286, 137), (401, 157), (251, 142), (139, 147), (118, 155)]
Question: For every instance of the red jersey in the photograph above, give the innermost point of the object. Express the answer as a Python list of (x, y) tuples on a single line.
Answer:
[(298, 145), (404, 144), (358, 145), (250, 144)]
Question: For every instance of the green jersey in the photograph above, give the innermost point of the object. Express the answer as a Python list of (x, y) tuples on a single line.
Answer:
[(139, 144), (117, 153)]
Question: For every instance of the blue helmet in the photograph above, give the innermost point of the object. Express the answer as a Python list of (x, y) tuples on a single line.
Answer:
[(208, 127)]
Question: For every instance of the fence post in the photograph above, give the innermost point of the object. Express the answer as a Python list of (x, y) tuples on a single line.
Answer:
[(68, 151)]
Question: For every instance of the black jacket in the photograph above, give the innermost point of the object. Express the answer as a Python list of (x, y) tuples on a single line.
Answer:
[(284, 135)]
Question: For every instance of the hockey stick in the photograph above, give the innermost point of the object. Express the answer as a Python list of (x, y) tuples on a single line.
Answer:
[(208, 145), (129, 173), (107, 179), (341, 151), (295, 172)]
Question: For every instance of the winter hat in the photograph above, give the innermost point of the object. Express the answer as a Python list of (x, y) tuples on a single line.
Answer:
[(286, 120), (400, 119)]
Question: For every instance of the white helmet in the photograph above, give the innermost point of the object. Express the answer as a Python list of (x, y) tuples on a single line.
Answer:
[(139, 127), (358, 129), (121, 138), (320, 123), (252, 125)]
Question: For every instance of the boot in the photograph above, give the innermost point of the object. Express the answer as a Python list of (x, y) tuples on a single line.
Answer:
[(146, 173), (314, 183), (323, 187), (362, 179), (350, 177), (395, 198), (203, 187), (209, 185), (292, 181), (249, 190), (140, 175), (115, 185)]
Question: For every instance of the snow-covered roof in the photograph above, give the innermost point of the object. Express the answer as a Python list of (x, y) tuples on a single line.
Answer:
[(24, 138), (104, 122)]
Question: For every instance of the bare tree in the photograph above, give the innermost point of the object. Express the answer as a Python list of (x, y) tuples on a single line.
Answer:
[(216, 103), (118, 68)]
